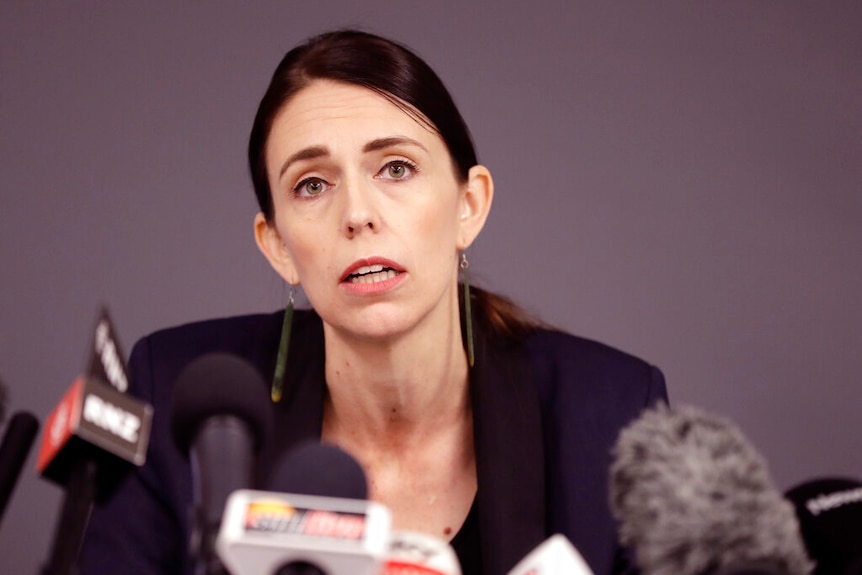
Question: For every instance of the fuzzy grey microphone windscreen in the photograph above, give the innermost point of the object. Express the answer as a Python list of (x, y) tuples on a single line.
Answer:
[(693, 497)]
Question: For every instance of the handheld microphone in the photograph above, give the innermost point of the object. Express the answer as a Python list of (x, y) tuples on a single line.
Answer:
[(327, 471), (91, 440), (694, 497), (106, 357), (555, 556), (414, 553), (220, 415), (830, 514), (333, 531), (314, 468), (17, 441)]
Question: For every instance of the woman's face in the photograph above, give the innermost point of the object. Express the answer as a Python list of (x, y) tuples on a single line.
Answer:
[(369, 215)]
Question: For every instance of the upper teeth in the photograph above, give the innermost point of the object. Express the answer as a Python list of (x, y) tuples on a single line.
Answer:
[(372, 274), (368, 270)]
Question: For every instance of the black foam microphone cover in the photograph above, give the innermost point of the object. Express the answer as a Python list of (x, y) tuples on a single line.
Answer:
[(320, 469), (17, 442), (219, 384), (220, 416)]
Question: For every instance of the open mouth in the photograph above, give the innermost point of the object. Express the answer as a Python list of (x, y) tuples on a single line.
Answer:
[(371, 274)]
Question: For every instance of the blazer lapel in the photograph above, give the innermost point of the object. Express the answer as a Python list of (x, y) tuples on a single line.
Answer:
[(509, 455), (298, 417)]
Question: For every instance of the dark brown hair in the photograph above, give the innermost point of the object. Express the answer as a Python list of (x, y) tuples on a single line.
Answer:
[(397, 74), (366, 60)]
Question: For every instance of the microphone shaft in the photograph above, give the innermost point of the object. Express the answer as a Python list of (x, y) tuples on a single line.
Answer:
[(223, 458), (74, 516)]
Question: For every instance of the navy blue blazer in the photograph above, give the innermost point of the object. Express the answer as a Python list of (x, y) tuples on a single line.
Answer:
[(547, 410)]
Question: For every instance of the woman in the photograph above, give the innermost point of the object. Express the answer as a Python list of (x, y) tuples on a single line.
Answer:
[(471, 421)]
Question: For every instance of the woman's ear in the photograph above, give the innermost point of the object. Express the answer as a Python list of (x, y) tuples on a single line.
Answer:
[(475, 205), (272, 247)]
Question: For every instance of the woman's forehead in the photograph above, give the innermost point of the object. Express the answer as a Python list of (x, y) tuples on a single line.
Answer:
[(329, 110), (329, 100)]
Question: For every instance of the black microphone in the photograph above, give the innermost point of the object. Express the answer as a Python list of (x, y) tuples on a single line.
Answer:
[(314, 521), (695, 498), (314, 468), (91, 440), (220, 416), (17, 441), (106, 356), (830, 514), (318, 469)]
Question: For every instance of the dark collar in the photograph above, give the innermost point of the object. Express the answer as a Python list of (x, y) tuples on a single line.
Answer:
[(507, 427), (509, 454)]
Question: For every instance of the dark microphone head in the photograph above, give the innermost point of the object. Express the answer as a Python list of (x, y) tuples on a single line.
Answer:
[(219, 384), (830, 515), (694, 497), (319, 469), (14, 448)]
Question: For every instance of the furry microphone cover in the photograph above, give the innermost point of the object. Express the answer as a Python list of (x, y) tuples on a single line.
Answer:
[(693, 497)]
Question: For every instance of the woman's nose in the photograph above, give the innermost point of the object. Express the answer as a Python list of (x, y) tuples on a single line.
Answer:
[(360, 212)]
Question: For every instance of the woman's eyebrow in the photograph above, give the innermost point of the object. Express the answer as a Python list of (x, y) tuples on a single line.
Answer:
[(382, 143), (372, 146), (304, 154)]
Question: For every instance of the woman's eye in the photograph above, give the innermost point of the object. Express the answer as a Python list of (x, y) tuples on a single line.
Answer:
[(397, 170), (310, 187)]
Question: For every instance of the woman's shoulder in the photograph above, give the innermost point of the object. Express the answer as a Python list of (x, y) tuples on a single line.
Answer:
[(553, 343), (590, 368), (228, 333), (161, 355)]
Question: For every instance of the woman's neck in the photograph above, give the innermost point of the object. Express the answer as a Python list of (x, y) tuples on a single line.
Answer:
[(402, 408), (396, 390)]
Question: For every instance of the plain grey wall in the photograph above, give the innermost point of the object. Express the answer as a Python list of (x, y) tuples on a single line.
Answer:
[(680, 180)]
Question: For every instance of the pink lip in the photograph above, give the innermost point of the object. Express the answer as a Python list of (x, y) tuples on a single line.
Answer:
[(372, 288), (373, 261)]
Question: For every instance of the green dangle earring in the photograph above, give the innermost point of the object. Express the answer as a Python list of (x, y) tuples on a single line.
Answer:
[(283, 345), (468, 315)]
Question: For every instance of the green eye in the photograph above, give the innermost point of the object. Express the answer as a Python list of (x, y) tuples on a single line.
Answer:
[(314, 187), (310, 187), (398, 170)]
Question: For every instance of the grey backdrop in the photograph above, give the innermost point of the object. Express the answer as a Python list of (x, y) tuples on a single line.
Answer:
[(679, 180)]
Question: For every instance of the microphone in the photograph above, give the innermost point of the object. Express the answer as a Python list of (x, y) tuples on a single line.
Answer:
[(17, 441), (328, 529), (830, 514), (220, 415), (414, 553), (555, 556), (694, 497), (106, 359), (91, 440), (315, 468)]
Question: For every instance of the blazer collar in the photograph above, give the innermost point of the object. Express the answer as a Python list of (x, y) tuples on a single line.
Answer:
[(509, 454)]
